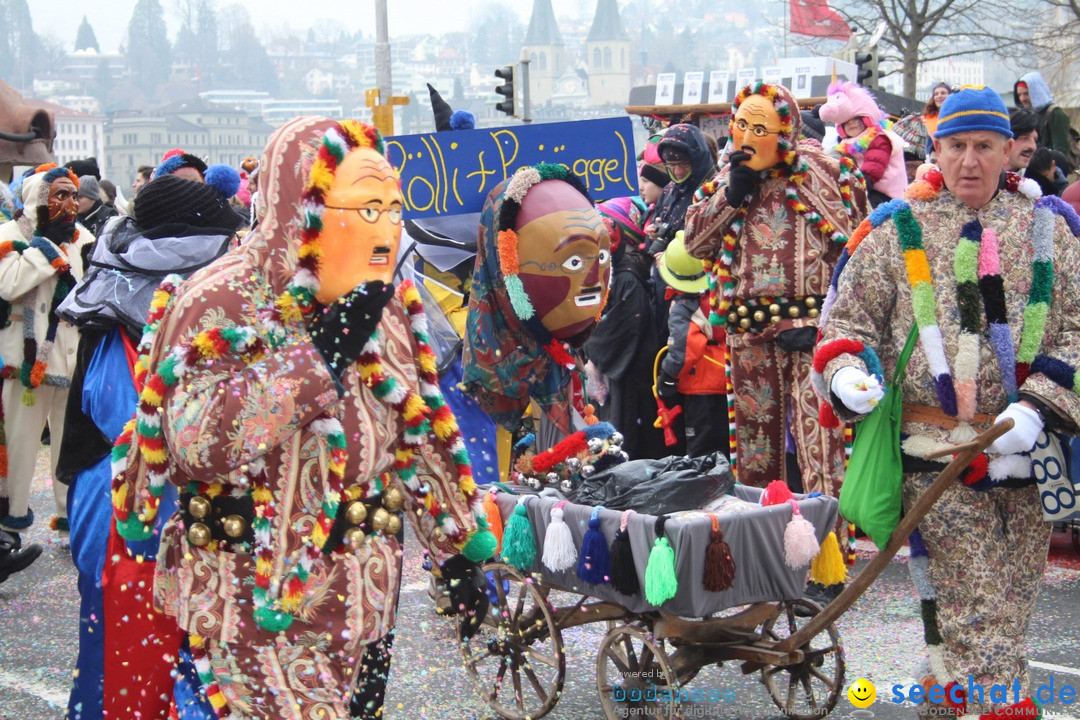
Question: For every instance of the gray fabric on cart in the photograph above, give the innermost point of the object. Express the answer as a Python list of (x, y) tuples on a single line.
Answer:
[(756, 538)]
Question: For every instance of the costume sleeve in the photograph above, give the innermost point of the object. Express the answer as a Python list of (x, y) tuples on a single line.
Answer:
[(622, 332), (865, 300), (876, 159), (1058, 125), (1054, 377), (707, 221), (678, 327), (22, 272)]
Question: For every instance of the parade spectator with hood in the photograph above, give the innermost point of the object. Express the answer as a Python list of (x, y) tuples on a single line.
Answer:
[(93, 212), (1032, 92), (877, 152), (652, 176), (179, 226)]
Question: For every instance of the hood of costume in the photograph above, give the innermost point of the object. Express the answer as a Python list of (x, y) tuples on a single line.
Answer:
[(504, 359), (1038, 91), (689, 142), (848, 100)]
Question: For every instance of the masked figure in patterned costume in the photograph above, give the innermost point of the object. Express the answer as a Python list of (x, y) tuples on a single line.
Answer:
[(773, 229), (292, 397), (985, 273)]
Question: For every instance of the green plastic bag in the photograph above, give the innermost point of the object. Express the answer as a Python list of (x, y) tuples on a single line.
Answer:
[(870, 496)]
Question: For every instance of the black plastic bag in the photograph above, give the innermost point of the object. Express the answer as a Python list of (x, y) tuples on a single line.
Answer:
[(656, 487)]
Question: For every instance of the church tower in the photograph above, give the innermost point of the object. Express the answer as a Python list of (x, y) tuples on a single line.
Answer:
[(607, 56), (547, 53)]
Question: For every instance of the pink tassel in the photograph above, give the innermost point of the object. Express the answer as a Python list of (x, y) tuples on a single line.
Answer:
[(776, 493), (800, 540)]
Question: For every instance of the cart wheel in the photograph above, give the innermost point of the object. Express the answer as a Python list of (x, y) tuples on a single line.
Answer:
[(519, 637), (807, 690), (634, 676)]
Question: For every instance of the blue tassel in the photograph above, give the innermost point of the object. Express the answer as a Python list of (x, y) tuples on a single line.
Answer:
[(594, 561)]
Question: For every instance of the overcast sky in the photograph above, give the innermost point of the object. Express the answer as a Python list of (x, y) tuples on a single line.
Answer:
[(109, 18)]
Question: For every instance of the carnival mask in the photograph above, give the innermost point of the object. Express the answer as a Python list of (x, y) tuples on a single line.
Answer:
[(63, 201), (755, 129), (361, 225), (564, 253)]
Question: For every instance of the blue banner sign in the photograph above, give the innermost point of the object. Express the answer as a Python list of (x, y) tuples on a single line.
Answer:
[(449, 173)]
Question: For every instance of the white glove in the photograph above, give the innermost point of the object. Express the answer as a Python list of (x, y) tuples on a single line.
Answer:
[(1025, 431), (858, 391)]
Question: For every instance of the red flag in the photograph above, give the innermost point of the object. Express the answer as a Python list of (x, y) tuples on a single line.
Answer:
[(816, 18)]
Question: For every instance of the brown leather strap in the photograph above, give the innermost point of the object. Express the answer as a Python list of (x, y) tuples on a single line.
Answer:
[(936, 416)]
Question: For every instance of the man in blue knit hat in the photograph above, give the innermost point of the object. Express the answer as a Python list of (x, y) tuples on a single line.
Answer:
[(969, 261)]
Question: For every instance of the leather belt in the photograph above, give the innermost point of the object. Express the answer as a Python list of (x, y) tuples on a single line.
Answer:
[(756, 314), (936, 416)]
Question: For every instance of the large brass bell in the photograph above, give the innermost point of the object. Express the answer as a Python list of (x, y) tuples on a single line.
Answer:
[(199, 507), (356, 512), (393, 500), (199, 535), (354, 537), (234, 526), (813, 312), (774, 319), (744, 323), (393, 525), (742, 310), (811, 302), (793, 311), (733, 318), (774, 309), (759, 316), (380, 520)]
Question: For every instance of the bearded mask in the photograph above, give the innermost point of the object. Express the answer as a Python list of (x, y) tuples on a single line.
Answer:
[(564, 258), (361, 229)]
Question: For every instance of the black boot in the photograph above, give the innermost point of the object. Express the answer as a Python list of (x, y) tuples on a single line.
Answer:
[(13, 556)]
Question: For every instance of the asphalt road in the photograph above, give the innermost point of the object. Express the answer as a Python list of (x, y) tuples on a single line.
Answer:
[(881, 636)]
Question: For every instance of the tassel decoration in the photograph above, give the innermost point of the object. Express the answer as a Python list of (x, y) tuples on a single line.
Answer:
[(494, 519), (851, 544), (828, 567), (519, 546), (559, 550), (776, 493), (624, 577), (719, 564), (594, 563), (800, 540), (660, 581)]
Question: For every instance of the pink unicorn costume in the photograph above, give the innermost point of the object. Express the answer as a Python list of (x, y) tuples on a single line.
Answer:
[(879, 153)]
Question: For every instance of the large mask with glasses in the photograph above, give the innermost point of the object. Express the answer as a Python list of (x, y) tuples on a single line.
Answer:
[(361, 229), (755, 129), (564, 257)]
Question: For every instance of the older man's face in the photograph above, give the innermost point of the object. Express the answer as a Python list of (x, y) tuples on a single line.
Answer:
[(971, 163)]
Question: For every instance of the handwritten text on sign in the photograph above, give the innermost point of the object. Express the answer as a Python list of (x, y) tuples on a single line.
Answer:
[(449, 173)]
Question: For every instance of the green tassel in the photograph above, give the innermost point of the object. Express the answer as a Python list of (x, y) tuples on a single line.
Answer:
[(482, 545), (133, 528), (519, 546), (28, 398), (272, 620), (660, 581)]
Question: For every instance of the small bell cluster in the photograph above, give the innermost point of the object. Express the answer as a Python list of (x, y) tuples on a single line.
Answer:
[(576, 458)]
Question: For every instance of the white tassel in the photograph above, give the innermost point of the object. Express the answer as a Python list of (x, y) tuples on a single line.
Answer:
[(962, 433), (937, 664), (1009, 466), (559, 550), (800, 540)]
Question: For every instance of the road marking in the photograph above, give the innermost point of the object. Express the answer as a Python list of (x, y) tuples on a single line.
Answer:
[(24, 684), (1054, 668)]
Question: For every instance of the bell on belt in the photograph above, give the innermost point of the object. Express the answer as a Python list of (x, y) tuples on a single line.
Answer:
[(811, 302), (393, 525), (774, 319), (199, 507), (199, 535), (759, 316), (234, 526), (392, 499), (356, 513), (793, 311), (742, 310), (813, 312), (774, 309), (733, 318), (380, 520), (354, 536), (744, 323)]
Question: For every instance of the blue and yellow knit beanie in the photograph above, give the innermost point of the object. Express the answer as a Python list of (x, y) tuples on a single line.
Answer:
[(973, 108)]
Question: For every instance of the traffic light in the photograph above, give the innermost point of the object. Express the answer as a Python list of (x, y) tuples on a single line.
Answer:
[(509, 105), (866, 67)]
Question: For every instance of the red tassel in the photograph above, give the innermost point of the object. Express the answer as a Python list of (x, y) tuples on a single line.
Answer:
[(719, 564), (776, 493)]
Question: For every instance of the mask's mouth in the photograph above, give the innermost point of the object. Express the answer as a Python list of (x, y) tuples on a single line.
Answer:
[(380, 255), (589, 297)]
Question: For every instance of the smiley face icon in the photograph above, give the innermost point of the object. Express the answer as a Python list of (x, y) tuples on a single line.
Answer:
[(862, 693)]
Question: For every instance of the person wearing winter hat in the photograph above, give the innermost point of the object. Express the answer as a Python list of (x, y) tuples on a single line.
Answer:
[(93, 212), (771, 225), (178, 162), (180, 226), (985, 233), (652, 177), (1032, 92), (40, 261)]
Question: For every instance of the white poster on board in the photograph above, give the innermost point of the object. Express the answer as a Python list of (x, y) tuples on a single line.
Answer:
[(665, 89), (773, 75), (718, 82), (744, 77), (691, 92)]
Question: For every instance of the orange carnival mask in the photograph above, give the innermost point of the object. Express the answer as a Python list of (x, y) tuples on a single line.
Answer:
[(755, 129), (361, 229), (564, 256), (63, 200)]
